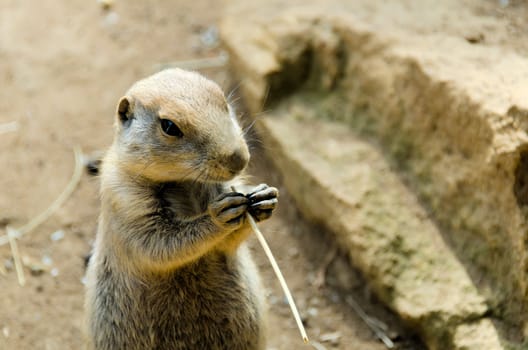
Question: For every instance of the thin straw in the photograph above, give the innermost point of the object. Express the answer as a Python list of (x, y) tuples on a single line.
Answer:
[(278, 273), (11, 235)]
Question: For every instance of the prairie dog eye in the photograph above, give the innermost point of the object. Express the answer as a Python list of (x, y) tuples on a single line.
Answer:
[(170, 129)]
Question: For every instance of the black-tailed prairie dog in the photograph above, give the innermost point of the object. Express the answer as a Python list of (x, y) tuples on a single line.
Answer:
[(170, 269)]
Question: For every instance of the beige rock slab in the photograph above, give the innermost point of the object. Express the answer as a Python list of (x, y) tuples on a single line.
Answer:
[(346, 183)]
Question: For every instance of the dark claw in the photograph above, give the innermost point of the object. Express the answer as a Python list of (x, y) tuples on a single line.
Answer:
[(257, 189), (262, 201), (261, 193), (264, 204)]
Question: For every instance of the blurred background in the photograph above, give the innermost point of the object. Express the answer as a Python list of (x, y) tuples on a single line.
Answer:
[(396, 132)]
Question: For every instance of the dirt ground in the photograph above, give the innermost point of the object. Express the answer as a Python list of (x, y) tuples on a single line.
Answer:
[(63, 67)]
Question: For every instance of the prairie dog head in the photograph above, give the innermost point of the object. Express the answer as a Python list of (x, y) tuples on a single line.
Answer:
[(177, 125)]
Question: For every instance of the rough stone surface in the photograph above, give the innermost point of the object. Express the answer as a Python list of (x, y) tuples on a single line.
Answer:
[(476, 336), (444, 95), (347, 184)]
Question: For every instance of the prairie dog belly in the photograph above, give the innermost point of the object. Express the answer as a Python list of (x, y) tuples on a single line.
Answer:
[(215, 302)]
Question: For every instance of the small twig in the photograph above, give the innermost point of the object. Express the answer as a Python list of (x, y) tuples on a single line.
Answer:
[(195, 64), (368, 321), (11, 235), (42, 217), (8, 127)]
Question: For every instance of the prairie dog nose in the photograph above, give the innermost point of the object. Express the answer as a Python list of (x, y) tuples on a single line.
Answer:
[(238, 160)]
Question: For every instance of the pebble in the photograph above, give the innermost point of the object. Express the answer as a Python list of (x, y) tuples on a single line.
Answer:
[(293, 252), (209, 37), (46, 260), (332, 338), (111, 19), (57, 235), (8, 264), (313, 311)]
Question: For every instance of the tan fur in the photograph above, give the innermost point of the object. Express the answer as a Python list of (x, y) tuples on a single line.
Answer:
[(170, 269)]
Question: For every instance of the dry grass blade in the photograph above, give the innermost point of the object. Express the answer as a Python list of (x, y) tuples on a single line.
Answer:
[(3, 270), (281, 279), (12, 236), (279, 275), (42, 217), (380, 333), (8, 127)]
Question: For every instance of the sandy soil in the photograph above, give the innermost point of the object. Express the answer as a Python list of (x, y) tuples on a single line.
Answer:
[(63, 66)]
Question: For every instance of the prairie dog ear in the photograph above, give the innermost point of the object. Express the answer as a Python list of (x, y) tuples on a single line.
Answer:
[(124, 110)]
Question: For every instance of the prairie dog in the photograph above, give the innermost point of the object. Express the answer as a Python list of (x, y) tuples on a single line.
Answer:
[(170, 269)]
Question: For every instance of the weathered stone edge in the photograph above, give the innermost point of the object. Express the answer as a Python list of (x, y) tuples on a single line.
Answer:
[(384, 230)]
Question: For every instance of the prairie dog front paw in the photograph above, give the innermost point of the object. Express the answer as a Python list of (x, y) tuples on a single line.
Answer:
[(263, 200)]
